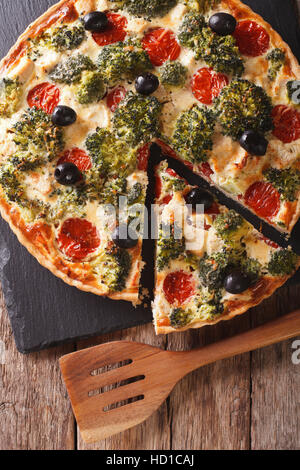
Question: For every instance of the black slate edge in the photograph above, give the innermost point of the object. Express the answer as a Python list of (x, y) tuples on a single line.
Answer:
[(17, 321)]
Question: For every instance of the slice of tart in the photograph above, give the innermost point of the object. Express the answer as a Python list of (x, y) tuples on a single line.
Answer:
[(210, 266)]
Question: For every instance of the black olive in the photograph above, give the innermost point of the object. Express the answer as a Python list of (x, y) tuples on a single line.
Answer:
[(96, 21), (236, 282), (222, 23), (63, 116), (146, 84), (67, 174), (199, 196), (254, 143), (125, 237)]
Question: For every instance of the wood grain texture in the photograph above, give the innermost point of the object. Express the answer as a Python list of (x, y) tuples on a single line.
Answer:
[(217, 397), (35, 412), (251, 401), (275, 381)]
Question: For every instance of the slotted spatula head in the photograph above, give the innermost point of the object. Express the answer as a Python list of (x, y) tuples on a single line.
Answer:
[(115, 386)]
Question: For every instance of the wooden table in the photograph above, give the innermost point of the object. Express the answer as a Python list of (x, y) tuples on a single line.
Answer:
[(248, 402)]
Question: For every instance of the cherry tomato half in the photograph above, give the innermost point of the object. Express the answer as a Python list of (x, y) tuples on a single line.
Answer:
[(252, 39), (115, 32), (44, 96), (115, 97), (161, 45), (263, 199), (78, 157), (286, 122), (178, 287), (78, 238), (206, 85)]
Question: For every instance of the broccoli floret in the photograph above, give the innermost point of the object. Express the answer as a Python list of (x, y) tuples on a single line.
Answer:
[(10, 96), (170, 245), (123, 60), (114, 267), (113, 189), (230, 226), (179, 317), (173, 74), (193, 133), (62, 38), (94, 186), (91, 88), (68, 199), (213, 269), (208, 304), (37, 137), (147, 8), (209, 311), (12, 182), (171, 183), (111, 63), (33, 209), (242, 106), (94, 182), (224, 55), (191, 260), (11, 185), (252, 268), (65, 37), (202, 6), (110, 154), (219, 52), (135, 194), (190, 31), (276, 60), (287, 182), (282, 263), (293, 91), (24, 162), (137, 118), (65, 199), (70, 70)]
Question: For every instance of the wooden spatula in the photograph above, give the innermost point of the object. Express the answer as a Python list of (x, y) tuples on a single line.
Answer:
[(118, 385)]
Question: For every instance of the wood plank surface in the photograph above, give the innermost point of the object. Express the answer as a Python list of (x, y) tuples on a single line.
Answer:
[(35, 412), (212, 404), (248, 402), (275, 383)]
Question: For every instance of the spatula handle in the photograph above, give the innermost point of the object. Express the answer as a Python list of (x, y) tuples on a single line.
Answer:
[(272, 332)]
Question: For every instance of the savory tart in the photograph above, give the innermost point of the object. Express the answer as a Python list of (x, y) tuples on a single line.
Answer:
[(92, 83), (211, 264)]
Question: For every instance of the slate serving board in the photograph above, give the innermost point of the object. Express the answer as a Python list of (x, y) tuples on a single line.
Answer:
[(43, 310)]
